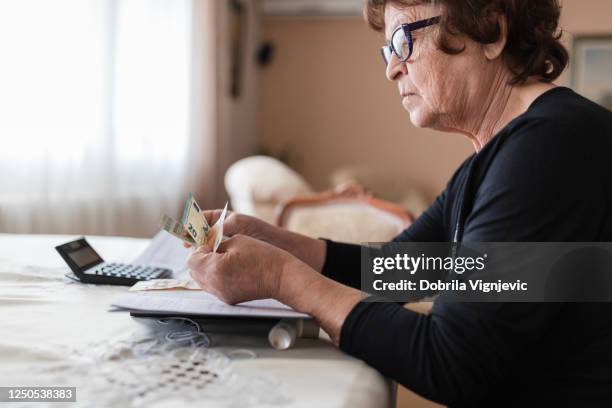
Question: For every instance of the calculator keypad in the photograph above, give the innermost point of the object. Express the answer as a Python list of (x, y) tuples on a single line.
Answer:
[(140, 272)]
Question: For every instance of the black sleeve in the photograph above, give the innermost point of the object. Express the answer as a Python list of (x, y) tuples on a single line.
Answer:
[(454, 355), (343, 263), (461, 351)]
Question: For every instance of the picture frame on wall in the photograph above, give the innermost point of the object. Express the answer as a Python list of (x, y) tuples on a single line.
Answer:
[(592, 68)]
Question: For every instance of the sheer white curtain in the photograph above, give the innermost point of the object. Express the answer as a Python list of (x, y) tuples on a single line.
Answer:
[(95, 114)]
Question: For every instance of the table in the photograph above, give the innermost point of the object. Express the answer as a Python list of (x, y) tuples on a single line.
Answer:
[(45, 321)]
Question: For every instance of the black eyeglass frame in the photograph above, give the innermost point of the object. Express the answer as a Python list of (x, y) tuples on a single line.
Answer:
[(408, 28)]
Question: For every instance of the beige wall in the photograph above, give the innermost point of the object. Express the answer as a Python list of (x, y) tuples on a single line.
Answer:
[(237, 129), (587, 16), (325, 99), (224, 127)]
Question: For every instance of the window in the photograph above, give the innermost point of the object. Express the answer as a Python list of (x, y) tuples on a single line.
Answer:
[(94, 113)]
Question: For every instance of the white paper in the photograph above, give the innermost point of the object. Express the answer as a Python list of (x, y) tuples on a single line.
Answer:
[(167, 251), (201, 303)]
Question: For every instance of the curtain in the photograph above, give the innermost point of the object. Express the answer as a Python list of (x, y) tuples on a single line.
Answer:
[(97, 105)]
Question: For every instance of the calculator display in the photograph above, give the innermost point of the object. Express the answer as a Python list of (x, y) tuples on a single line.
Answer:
[(83, 257), (79, 255)]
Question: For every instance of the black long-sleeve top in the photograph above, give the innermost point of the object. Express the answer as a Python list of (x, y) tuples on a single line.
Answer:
[(547, 176)]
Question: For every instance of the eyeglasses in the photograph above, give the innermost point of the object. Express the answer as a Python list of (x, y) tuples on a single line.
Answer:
[(402, 42)]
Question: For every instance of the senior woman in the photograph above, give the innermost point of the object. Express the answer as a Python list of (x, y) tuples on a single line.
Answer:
[(482, 69)]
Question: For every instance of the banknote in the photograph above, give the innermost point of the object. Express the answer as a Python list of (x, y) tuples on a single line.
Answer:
[(175, 228), (193, 227), (165, 284), (194, 221), (216, 235)]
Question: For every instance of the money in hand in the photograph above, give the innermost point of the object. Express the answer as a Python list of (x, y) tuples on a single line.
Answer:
[(175, 228), (216, 235), (193, 227), (194, 221)]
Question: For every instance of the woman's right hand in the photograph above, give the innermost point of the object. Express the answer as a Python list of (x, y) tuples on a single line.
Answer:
[(308, 250)]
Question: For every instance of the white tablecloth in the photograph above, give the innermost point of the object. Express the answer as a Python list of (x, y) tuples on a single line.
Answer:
[(46, 321)]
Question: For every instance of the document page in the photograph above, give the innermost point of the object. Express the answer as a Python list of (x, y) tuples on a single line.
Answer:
[(187, 302), (167, 251)]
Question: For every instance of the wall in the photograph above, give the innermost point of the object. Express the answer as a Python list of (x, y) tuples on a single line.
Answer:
[(235, 118), (326, 101), (224, 128), (584, 17), (239, 115)]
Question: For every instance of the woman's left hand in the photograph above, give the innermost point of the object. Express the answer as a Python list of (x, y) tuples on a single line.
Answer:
[(243, 269)]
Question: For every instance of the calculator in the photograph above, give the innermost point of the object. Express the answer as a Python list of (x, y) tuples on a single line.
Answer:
[(89, 267)]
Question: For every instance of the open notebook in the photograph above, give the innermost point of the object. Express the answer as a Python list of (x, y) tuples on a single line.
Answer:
[(198, 303)]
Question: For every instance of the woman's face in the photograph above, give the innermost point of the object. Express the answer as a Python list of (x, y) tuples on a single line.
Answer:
[(435, 87)]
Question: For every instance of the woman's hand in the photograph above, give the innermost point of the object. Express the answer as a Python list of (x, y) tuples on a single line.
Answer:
[(243, 269), (309, 250), (247, 269)]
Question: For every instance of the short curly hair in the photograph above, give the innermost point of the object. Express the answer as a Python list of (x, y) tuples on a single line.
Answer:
[(532, 47)]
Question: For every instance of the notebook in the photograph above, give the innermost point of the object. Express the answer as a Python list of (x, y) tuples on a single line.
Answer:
[(199, 303)]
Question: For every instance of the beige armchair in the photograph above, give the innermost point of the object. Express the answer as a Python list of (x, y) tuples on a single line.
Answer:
[(262, 186), (257, 184), (347, 213)]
